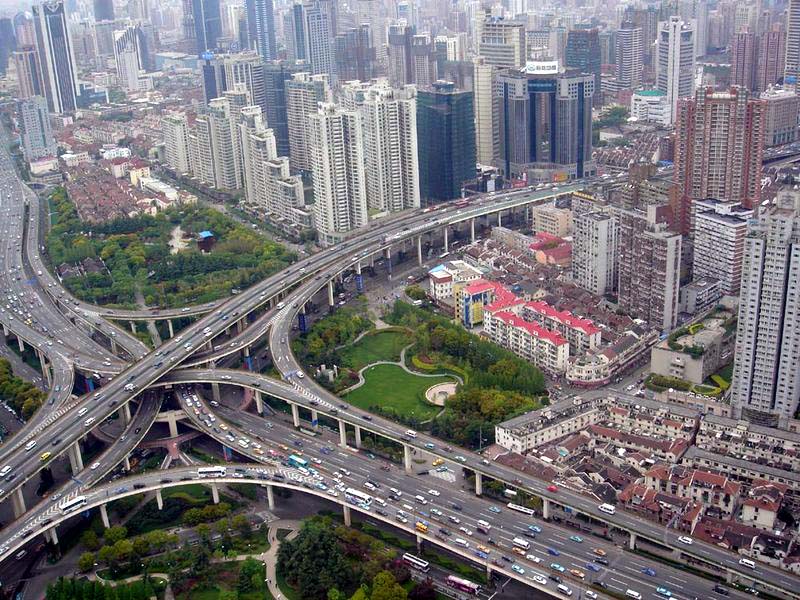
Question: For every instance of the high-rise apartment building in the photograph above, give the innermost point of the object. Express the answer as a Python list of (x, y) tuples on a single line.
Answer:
[(399, 54), (545, 123), (783, 111), (27, 68), (176, 142), (500, 42), (389, 131), (445, 140), (792, 62), (103, 10), (261, 28), (719, 145), (757, 61), (743, 59), (594, 252), (719, 232), (337, 158), (276, 75), (355, 54), (320, 30), (676, 61), (423, 66), (649, 267), (56, 58), (486, 138), (216, 156), (583, 56), (127, 57), (303, 94), (207, 24), (628, 56), (766, 377), (34, 129)]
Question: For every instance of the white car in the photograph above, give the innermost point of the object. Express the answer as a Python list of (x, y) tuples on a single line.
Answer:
[(591, 594), (465, 531), (541, 580), (434, 493), (94, 466), (686, 540), (533, 559)]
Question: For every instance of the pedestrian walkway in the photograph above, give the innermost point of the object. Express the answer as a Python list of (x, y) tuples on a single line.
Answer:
[(270, 557)]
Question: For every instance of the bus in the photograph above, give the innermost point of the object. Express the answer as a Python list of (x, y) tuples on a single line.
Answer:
[(421, 527), (609, 509), (70, 505), (203, 472), (521, 509), (463, 585), (308, 432), (416, 563), (484, 527), (521, 543), (355, 496), (298, 462)]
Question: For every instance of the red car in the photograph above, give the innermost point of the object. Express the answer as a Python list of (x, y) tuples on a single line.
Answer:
[(552, 488)]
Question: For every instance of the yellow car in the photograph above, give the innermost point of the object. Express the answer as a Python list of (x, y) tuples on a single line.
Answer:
[(577, 573), (438, 461), (45, 456), (484, 549), (599, 551)]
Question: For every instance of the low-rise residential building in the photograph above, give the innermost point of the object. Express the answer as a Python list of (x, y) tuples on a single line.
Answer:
[(544, 348), (699, 295), (692, 353), (552, 220), (710, 489), (760, 507), (447, 277), (471, 299), (601, 366), (582, 334)]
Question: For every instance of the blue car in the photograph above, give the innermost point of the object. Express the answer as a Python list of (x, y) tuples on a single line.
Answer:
[(649, 572), (480, 554), (325, 450), (592, 567), (576, 538), (535, 528), (494, 509), (664, 592), (553, 552), (430, 446), (557, 567)]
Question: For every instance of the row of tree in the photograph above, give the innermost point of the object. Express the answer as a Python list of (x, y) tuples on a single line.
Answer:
[(21, 395), (82, 589), (320, 344)]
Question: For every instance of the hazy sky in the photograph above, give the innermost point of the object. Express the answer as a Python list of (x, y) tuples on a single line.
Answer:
[(11, 7)]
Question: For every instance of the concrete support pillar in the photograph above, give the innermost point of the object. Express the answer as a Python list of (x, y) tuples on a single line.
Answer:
[(472, 230), (546, 509), (259, 403), (499, 218), (295, 415), (75, 458), (342, 434), (419, 543), (171, 328), (348, 521), (246, 351), (21, 344), (729, 576), (407, 458), (488, 571), (173, 424), (632, 541), (315, 419), (270, 497), (419, 250), (388, 253), (19, 503), (52, 536), (215, 391), (126, 462), (215, 493), (104, 516), (46, 372), (6, 332), (113, 345), (358, 437), (478, 484), (125, 413), (446, 243), (240, 325), (331, 303), (159, 499), (133, 327)]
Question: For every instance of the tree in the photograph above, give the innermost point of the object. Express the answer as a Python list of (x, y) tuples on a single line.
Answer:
[(114, 534), (423, 591), (242, 524), (90, 541), (385, 587), (251, 572), (335, 594), (86, 562)]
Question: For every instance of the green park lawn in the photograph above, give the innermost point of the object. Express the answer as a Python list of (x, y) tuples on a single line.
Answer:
[(390, 386), (383, 345)]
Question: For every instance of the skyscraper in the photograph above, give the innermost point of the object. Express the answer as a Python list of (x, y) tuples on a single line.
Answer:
[(389, 129), (594, 252), (303, 93), (583, 55), (103, 10), (319, 33), (628, 54), (649, 267), (261, 27), (792, 64), (56, 59), (399, 59), (423, 67), (501, 43), (355, 54), (719, 145), (545, 122), (485, 99), (176, 142), (766, 378), (675, 64), (27, 69), (207, 24), (34, 129), (757, 60), (127, 57), (8, 43), (276, 75), (337, 158), (446, 141), (743, 58)]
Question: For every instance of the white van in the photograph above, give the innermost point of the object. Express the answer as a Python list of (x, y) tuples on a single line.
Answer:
[(411, 433), (83, 411), (370, 486), (379, 501), (88, 421), (5, 470), (746, 562), (281, 305), (30, 445), (420, 499), (564, 589), (521, 543), (461, 542), (633, 594), (609, 509)]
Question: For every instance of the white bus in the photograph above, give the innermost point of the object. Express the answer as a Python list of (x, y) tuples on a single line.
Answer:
[(609, 509), (212, 472), (355, 496), (416, 563), (70, 505), (521, 543), (521, 509), (484, 527)]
